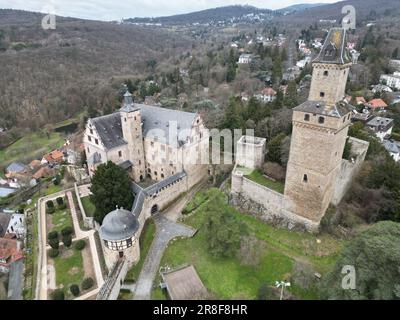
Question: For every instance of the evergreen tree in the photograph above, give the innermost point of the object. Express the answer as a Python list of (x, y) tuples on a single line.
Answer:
[(291, 98), (375, 256), (232, 117), (111, 187), (222, 230), (274, 148)]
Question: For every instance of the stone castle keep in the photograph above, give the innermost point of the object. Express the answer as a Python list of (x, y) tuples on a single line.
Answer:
[(316, 174)]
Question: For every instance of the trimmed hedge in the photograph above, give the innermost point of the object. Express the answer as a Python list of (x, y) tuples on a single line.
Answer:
[(80, 245), (87, 283), (74, 288), (58, 294), (53, 253)]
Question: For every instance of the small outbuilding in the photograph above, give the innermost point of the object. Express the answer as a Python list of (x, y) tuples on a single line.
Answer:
[(184, 284)]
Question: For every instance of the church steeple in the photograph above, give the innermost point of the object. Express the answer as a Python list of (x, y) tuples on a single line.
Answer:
[(128, 99)]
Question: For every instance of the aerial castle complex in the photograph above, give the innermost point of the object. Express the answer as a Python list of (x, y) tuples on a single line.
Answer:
[(316, 173), (162, 151)]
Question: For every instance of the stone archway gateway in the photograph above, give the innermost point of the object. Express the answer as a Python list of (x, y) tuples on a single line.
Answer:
[(154, 209)]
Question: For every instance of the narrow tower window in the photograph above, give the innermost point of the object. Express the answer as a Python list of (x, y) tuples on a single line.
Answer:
[(322, 94), (305, 178)]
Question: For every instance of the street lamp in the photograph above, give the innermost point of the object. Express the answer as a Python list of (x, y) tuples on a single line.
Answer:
[(282, 285)]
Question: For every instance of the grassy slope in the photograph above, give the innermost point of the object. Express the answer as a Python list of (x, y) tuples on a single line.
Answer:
[(228, 278), (30, 146), (146, 238), (258, 177)]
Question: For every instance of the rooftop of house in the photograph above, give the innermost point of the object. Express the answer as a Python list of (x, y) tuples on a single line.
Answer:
[(377, 103), (54, 155), (268, 91), (392, 146), (337, 110), (154, 119), (10, 250), (16, 167), (334, 49), (4, 221), (184, 284), (379, 121)]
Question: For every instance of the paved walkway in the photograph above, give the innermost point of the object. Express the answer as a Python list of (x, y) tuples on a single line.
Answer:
[(43, 283), (166, 231)]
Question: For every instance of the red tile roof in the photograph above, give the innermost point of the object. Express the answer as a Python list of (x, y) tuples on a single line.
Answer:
[(377, 103), (55, 155), (9, 251), (268, 92)]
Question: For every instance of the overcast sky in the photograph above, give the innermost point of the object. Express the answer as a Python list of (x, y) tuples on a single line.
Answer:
[(115, 10)]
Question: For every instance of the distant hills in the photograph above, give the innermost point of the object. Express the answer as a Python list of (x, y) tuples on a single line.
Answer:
[(300, 7), (236, 12)]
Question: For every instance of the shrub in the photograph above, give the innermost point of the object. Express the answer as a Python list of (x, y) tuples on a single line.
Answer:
[(60, 201), (67, 231), (62, 207), (54, 243), (74, 288), (67, 240), (87, 283), (58, 294), (53, 253), (52, 235), (80, 245), (50, 207), (57, 180)]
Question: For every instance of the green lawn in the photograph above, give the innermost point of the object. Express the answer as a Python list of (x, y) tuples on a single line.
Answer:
[(61, 219), (278, 252), (34, 145), (69, 269), (88, 206), (258, 176), (146, 238)]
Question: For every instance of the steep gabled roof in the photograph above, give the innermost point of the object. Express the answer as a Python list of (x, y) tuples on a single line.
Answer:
[(109, 130), (334, 49)]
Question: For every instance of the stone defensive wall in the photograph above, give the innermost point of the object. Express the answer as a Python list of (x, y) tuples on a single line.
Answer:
[(266, 204), (349, 169)]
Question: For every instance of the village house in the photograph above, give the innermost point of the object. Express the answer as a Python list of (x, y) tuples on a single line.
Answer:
[(395, 64), (393, 81), (54, 157), (393, 147), (376, 105), (267, 95), (245, 58), (16, 225), (379, 88), (382, 127), (10, 252), (15, 169)]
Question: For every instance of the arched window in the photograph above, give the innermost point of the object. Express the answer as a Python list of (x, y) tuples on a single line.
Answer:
[(321, 120), (305, 178), (322, 94), (306, 117), (326, 73)]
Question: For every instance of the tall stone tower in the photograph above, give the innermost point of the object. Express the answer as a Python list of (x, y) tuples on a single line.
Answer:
[(320, 127), (132, 131)]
